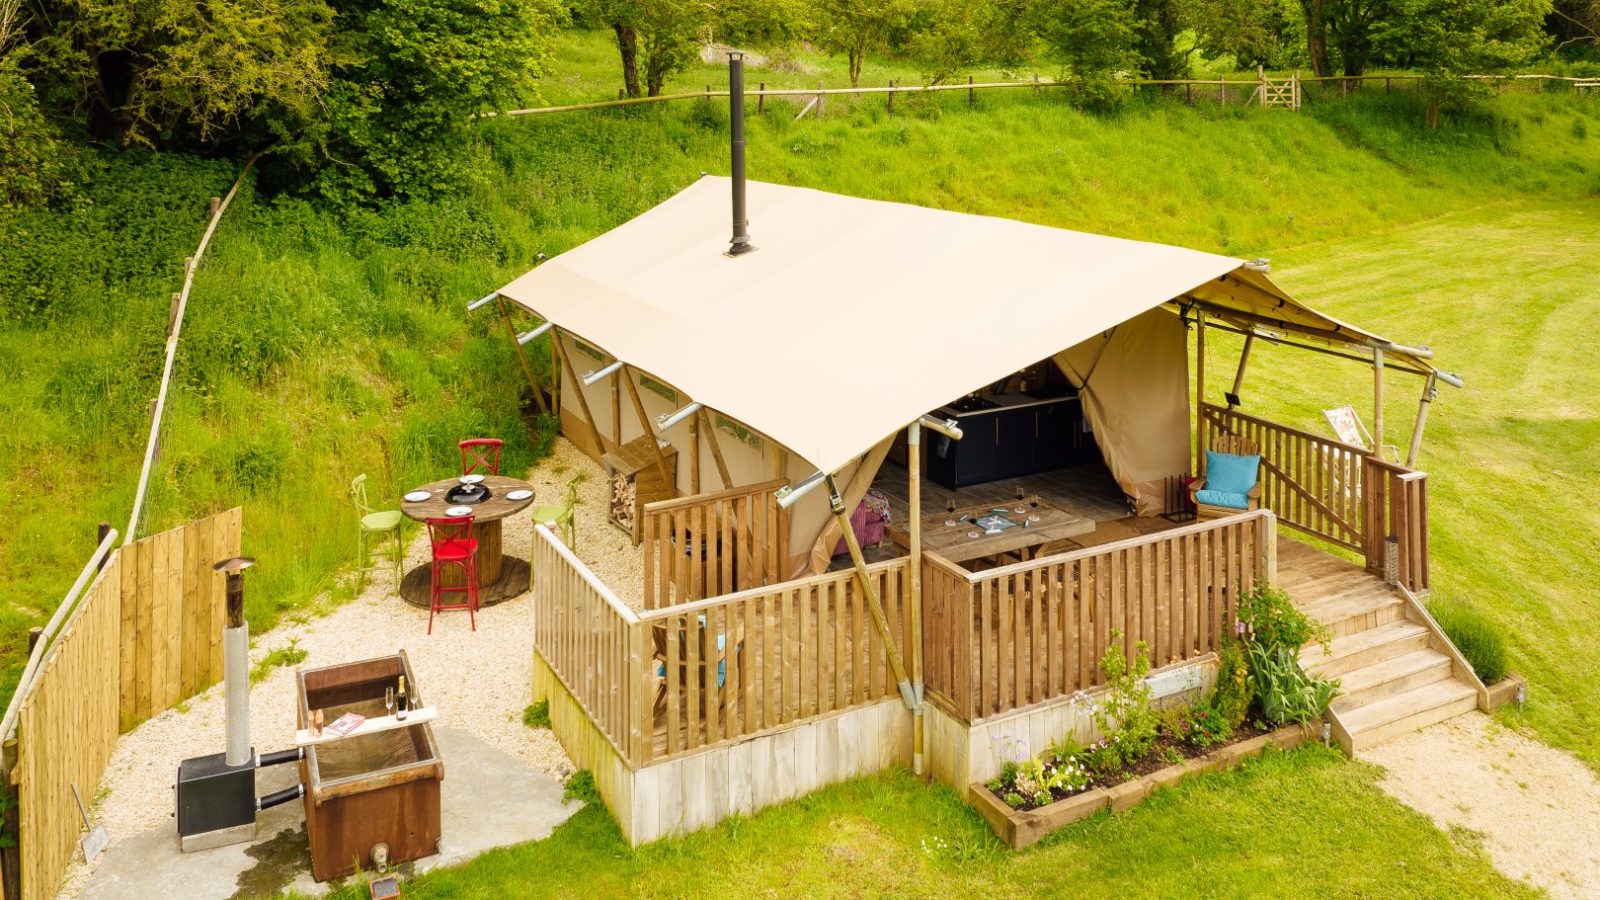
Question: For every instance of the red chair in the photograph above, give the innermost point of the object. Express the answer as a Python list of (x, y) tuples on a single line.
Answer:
[(481, 453), (453, 545)]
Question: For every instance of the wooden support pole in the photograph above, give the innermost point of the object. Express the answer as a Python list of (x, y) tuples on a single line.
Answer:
[(644, 422), (874, 605), (694, 455), (914, 525), (583, 401), (1199, 392), (716, 448), (1430, 390), (1377, 402), (527, 367), (616, 413), (780, 460), (1238, 377)]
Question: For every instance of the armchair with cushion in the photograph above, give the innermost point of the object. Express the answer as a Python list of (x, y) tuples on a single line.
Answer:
[(1233, 479)]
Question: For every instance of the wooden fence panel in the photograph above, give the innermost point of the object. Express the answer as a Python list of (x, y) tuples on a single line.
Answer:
[(1021, 634), (732, 666), (66, 730), (590, 639), (713, 544), (170, 614)]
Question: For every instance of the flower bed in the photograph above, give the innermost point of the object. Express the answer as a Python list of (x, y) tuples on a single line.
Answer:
[(1260, 686), (1022, 827)]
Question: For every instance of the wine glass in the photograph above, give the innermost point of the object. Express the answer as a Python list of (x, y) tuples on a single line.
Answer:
[(388, 700), (949, 503), (1020, 493)]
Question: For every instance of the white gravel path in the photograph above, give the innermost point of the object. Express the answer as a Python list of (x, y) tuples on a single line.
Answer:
[(480, 681), (1537, 809)]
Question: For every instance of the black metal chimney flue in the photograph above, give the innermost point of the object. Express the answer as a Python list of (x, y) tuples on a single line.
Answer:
[(741, 225)]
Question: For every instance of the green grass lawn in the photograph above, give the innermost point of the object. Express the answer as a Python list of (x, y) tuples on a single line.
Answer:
[(1300, 824)]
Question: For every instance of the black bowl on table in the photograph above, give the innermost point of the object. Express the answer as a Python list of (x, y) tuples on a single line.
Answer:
[(467, 493)]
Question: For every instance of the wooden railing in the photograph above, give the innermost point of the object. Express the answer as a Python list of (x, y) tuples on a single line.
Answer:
[(590, 639), (1313, 483), (1011, 637), (733, 666), (1337, 492), (1397, 504), (712, 544)]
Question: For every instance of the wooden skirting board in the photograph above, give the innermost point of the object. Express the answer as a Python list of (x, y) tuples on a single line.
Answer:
[(697, 790)]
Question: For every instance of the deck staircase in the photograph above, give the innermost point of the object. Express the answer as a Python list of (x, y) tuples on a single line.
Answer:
[(1397, 672)]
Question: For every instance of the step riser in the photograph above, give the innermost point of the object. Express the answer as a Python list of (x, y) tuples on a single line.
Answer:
[(1333, 667), (1356, 699), (1362, 621), (1375, 735)]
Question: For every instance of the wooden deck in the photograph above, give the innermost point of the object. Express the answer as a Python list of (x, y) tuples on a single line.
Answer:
[(1087, 490)]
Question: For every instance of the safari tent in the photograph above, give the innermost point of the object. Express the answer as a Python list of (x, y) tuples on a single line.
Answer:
[(868, 343)]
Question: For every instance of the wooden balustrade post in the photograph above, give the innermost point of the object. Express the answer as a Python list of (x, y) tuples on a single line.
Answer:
[(914, 601), (1199, 392)]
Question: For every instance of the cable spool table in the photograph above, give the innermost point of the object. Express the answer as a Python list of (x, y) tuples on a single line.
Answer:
[(500, 577)]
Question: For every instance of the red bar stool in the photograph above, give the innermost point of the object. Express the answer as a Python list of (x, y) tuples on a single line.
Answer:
[(453, 545), (480, 453)]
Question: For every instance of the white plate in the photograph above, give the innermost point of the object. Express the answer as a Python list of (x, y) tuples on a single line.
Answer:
[(519, 494), (418, 496), (458, 511), (471, 479)]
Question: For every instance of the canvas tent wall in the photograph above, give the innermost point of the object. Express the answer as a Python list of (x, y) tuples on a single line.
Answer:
[(854, 317)]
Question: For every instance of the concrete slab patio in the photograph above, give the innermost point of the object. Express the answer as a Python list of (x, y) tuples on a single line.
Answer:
[(488, 799)]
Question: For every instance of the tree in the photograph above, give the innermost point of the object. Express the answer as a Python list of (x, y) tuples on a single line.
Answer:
[(662, 34), (1156, 37), (164, 72), (1094, 41), (857, 27), (1451, 38), (408, 78), (947, 37), (1316, 37)]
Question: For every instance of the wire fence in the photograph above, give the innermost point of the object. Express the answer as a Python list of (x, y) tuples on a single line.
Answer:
[(1220, 91)]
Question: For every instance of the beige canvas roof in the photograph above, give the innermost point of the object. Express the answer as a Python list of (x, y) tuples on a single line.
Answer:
[(856, 316)]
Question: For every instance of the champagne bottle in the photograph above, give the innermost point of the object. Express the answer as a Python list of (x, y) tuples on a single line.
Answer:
[(401, 701)]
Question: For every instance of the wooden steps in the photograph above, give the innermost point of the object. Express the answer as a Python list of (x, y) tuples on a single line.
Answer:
[(1406, 712), (1396, 674)]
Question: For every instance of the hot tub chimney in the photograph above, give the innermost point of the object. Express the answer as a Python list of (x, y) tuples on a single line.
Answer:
[(741, 225), (236, 662)]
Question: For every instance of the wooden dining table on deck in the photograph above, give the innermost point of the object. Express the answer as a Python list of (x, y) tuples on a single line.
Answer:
[(956, 543), (500, 577)]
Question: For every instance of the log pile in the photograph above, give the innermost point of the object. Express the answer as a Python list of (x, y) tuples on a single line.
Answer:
[(624, 493)]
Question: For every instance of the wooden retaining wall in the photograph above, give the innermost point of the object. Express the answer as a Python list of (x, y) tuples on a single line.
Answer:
[(171, 614)]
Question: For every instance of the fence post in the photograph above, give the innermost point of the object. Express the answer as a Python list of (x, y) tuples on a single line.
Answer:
[(761, 98), (100, 532), (10, 857), (1188, 92), (972, 95), (891, 95)]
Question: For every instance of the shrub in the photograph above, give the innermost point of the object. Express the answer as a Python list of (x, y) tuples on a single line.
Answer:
[(1478, 639), (1232, 696), (1269, 618), (1125, 716), (580, 786)]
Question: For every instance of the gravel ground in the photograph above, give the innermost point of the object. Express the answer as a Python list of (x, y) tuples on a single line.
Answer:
[(1535, 808), (480, 681)]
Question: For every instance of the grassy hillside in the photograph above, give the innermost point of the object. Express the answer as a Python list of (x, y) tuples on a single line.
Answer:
[(319, 347)]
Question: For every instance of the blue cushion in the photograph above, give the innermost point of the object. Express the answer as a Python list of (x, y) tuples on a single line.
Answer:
[(1230, 472), (1232, 499)]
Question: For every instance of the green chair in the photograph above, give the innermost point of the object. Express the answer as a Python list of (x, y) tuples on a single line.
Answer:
[(385, 521), (554, 516)]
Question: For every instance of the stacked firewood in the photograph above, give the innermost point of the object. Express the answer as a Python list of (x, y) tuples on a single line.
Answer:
[(623, 494)]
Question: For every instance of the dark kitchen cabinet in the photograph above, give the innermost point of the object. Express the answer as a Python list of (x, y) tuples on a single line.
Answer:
[(1010, 441)]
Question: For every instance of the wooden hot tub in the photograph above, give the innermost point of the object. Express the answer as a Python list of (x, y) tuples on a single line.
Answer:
[(368, 789)]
